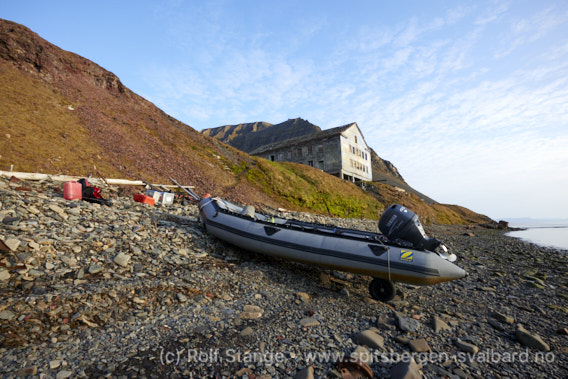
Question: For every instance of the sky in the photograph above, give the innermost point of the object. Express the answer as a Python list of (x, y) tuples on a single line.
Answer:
[(468, 99)]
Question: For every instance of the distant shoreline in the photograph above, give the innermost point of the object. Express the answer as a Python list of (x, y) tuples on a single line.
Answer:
[(544, 236)]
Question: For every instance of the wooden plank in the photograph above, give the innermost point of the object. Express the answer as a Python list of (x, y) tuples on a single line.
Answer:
[(169, 186), (163, 188), (66, 178)]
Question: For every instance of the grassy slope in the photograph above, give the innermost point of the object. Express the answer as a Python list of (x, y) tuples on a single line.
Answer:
[(38, 133), (305, 188)]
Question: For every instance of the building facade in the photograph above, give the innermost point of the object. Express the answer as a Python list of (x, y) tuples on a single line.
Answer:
[(340, 151)]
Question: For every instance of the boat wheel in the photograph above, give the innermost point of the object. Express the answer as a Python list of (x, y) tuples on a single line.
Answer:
[(381, 289)]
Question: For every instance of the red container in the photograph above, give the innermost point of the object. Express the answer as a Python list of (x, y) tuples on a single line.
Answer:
[(72, 190), (144, 199)]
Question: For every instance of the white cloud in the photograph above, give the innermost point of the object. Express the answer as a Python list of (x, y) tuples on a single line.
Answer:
[(492, 13), (526, 30)]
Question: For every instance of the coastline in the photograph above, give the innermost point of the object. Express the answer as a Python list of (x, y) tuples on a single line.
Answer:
[(550, 236), (180, 303)]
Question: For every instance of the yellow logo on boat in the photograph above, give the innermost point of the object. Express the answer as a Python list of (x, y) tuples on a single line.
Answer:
[(407, 256)]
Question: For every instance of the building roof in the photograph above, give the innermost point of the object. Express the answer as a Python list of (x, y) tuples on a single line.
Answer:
[(302, 140)]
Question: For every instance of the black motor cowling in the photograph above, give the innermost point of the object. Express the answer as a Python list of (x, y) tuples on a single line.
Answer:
[(402, 226)]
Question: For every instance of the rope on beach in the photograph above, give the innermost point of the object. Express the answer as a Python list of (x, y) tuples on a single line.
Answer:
[(389, 263)]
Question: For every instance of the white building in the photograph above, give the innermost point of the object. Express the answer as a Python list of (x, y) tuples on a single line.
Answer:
[(340, 151)]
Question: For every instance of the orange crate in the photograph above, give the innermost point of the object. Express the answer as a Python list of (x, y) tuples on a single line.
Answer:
[(144, 199)]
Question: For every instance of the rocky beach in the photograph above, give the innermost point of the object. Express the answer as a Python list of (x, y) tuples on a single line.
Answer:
[(132, 291)]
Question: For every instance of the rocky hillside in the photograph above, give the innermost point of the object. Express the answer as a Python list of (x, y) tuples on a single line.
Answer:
[(62, 113), (250, 136)]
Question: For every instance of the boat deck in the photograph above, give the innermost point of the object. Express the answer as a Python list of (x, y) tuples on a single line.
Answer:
[(310, 227)]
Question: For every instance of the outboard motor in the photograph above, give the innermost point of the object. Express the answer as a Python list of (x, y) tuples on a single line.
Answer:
[(402, 226)]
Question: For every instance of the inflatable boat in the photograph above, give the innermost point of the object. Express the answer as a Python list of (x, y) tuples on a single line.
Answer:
[(402, 252)]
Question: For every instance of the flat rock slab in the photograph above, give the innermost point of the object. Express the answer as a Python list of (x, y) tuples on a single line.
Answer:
[(246, 332), (251, 312), (28, 371), (309, 321), (122, 259), (419, 345), (407, 324), (4, 275), (12, 244), (503, 317), (531, 340), (407, 369), (494, 323), (438, 325), (466, 347), (7, 315), (253, 308), (250, 315), (369, 338)]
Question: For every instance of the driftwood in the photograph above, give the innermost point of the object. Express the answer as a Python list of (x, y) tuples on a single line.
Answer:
[(66, 178)]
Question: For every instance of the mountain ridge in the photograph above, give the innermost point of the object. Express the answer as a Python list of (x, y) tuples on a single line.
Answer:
[(248, 137)]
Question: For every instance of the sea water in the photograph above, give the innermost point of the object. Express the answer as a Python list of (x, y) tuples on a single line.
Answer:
[(553, 235)]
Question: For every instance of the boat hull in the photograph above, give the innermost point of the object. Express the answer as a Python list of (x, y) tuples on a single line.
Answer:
[(346, 250)]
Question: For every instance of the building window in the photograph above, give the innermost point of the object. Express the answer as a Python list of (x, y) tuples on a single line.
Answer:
[(355, 139), (310, 149), (321, 165), (289, 154), (311, 163), (299, 151), (320, 149), (272, 158)]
